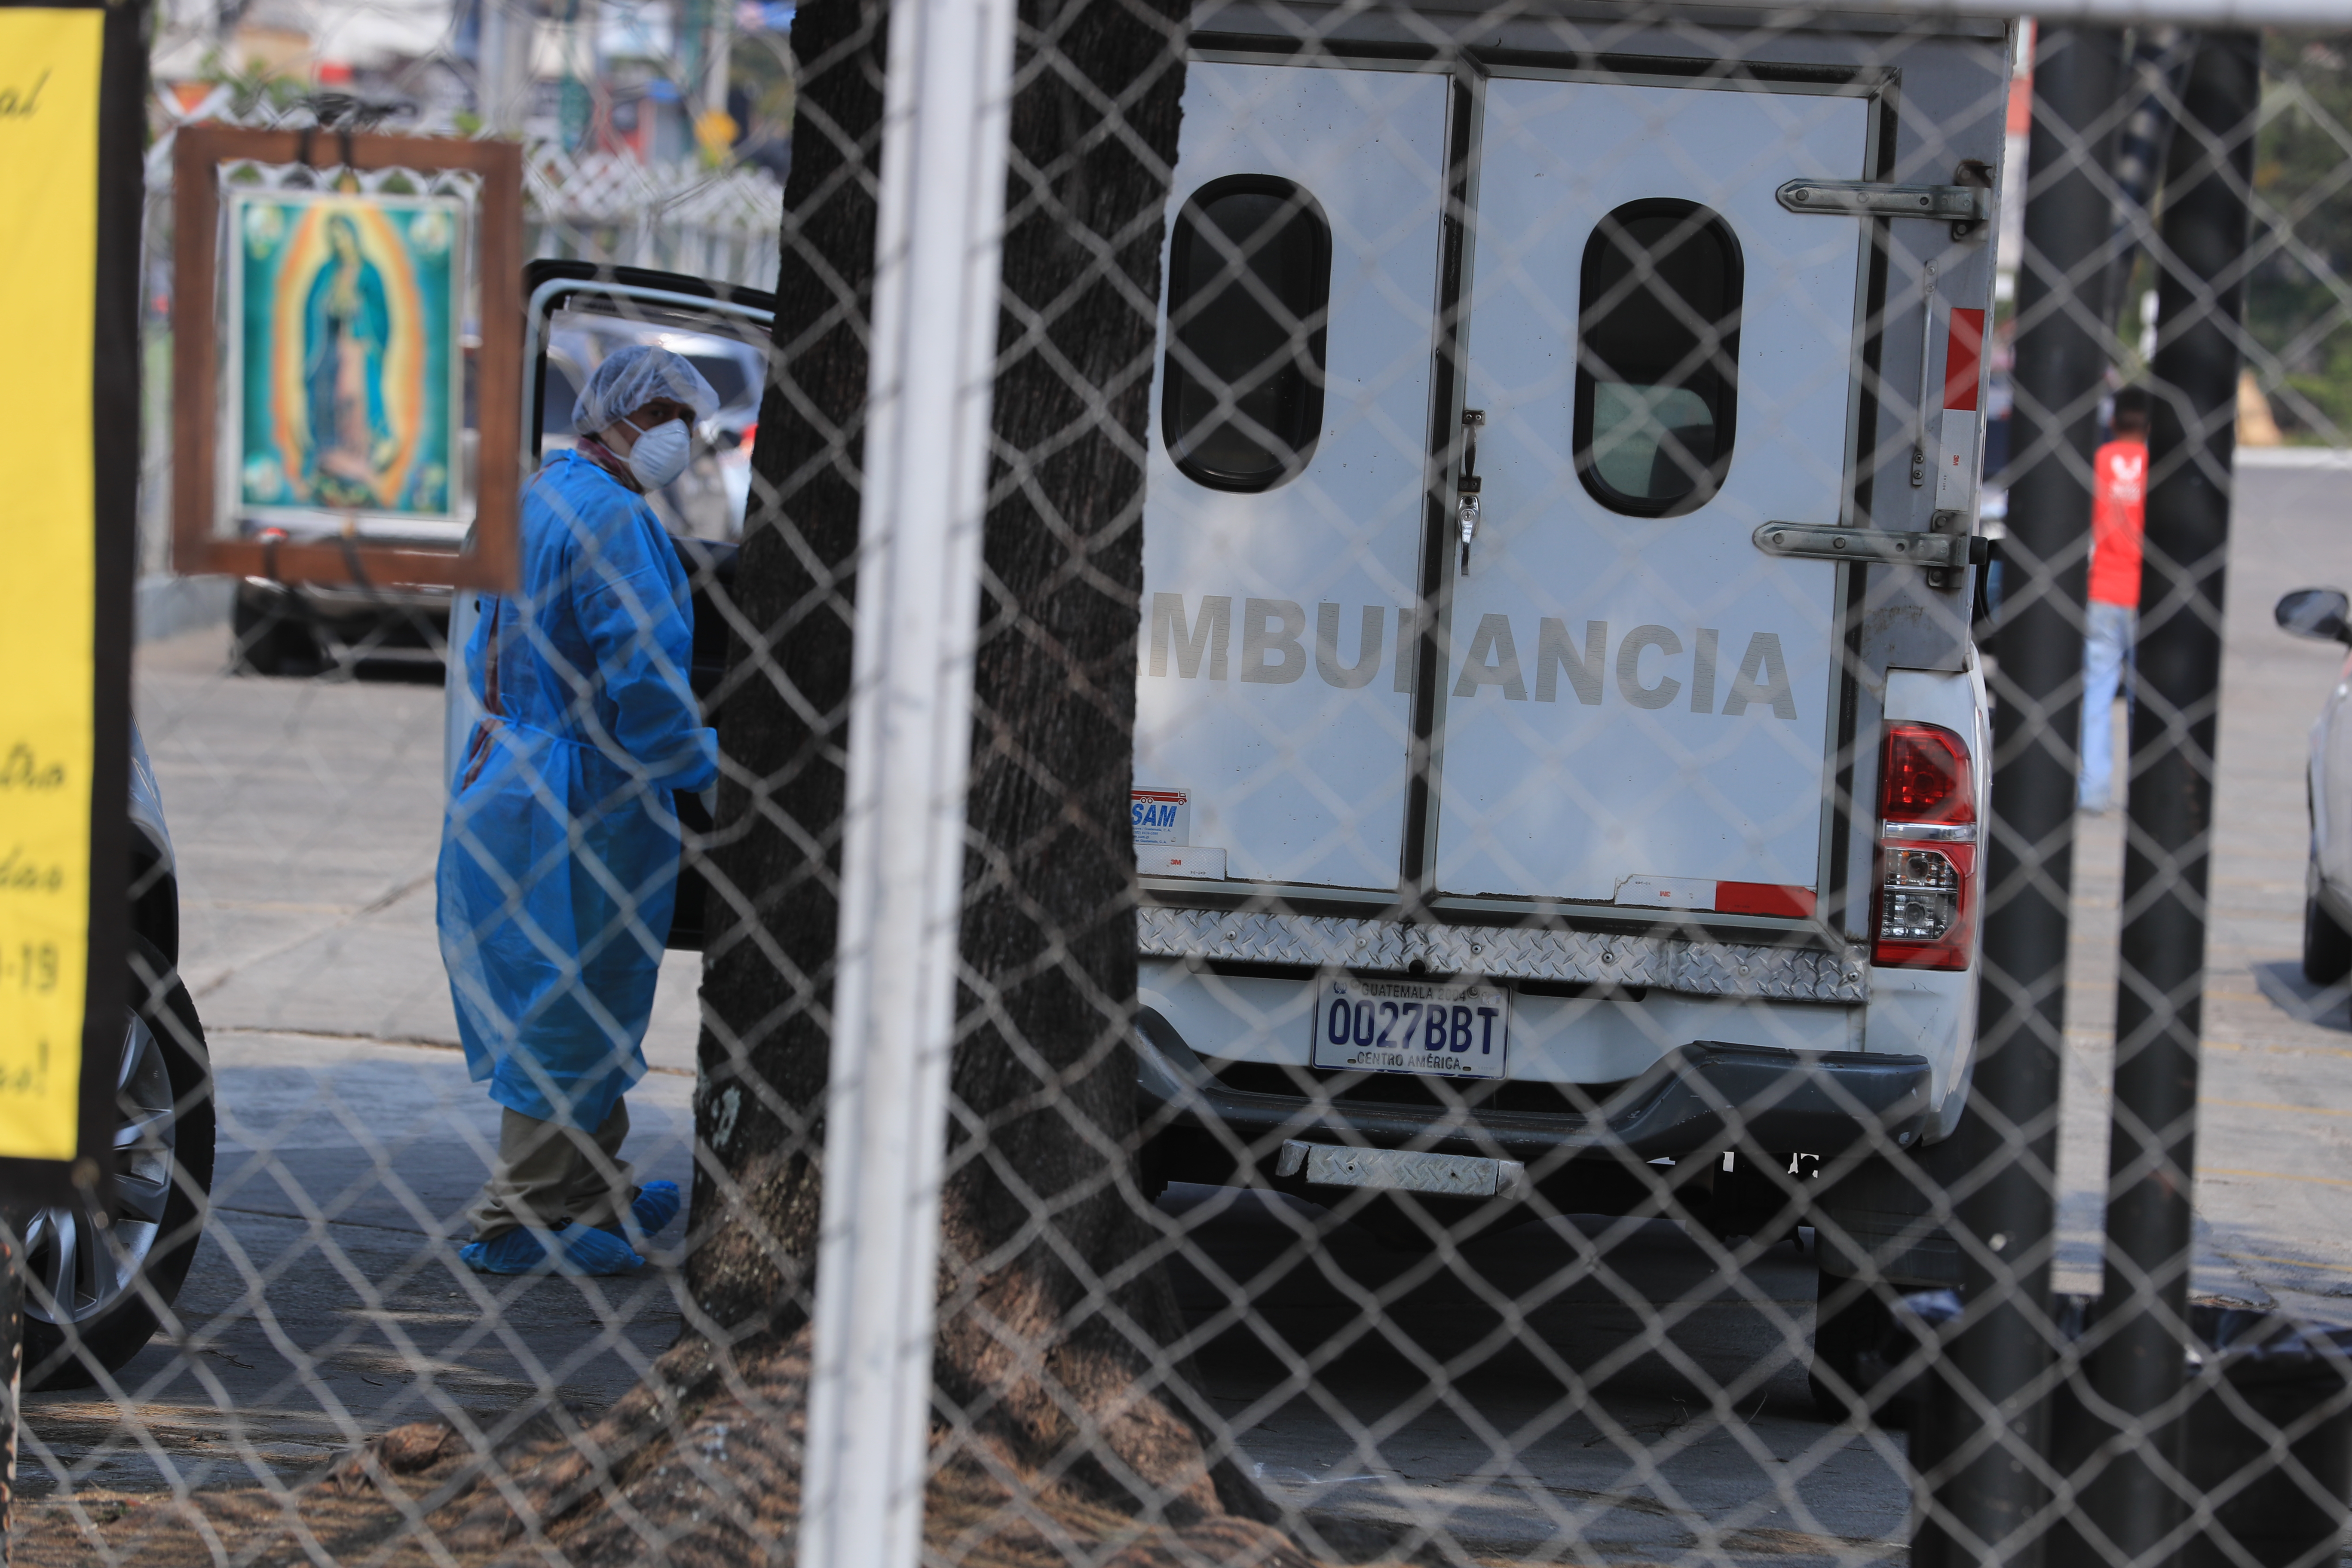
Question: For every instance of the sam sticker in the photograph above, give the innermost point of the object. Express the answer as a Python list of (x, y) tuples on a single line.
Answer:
[(1162, 815)]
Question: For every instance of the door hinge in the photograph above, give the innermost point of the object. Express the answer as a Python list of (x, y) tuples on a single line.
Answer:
[(1952, 203), (1938, 553)]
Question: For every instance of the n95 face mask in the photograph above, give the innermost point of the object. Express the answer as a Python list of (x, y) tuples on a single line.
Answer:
[(659, 454)]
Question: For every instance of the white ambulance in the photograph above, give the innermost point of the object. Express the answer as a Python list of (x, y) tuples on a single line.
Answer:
[(1560, 755)]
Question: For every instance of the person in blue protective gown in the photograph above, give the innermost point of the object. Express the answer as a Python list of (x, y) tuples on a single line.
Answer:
[(560, 848)]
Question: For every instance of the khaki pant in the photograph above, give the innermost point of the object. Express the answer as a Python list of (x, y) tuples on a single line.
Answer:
[(548, 1173)]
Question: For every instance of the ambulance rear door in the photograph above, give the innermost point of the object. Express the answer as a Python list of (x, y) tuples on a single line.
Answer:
[(1288, 474), (1639, 708)]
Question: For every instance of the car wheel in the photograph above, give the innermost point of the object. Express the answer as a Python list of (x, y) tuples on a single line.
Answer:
[(2326, 947), (99, 1283), (268, 641)]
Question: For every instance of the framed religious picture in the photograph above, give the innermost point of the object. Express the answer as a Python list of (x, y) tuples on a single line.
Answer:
[(338, 415), (346, 358)]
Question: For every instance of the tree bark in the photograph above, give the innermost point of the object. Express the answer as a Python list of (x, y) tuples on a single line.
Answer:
[(1061, 1399), (1047, 1339)]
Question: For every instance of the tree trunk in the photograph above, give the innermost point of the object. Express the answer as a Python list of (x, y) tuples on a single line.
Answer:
[(1051, 1346)]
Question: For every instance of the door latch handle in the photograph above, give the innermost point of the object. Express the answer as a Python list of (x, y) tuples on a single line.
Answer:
[(1927, 386), (1467, 483), (1968, 203), (1936, 549)]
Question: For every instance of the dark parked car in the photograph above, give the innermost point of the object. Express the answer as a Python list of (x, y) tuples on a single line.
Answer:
[(309, 628), (103, 1281)]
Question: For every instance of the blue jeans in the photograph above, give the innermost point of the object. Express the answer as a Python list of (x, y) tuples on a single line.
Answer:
[(2106, 663)]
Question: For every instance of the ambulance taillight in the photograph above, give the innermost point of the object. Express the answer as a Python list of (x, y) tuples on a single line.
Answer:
[(1926, 850)]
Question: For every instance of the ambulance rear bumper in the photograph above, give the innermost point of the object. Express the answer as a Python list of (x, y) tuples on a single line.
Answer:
[(1701, 1098)]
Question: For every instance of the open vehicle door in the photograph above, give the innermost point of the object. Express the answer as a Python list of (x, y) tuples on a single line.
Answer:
[(578, 313)]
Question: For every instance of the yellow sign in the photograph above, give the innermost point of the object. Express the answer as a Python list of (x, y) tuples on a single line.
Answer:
[(716, 130), (48, 532)]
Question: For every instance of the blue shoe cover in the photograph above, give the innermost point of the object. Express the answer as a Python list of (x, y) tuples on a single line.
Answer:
[(516, 1252), (656, 1205), (588, 1250), (585, 1250)]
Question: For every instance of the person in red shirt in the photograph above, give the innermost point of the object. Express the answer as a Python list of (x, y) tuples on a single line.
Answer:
[(2119, 516)]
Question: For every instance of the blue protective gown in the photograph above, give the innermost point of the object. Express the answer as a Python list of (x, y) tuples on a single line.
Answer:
[(559, 853)]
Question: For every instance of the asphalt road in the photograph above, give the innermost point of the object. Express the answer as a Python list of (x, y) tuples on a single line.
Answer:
[(327, 1303)]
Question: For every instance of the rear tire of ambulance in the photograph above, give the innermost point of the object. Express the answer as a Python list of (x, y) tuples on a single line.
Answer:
[(1849, 1329), (1411, 1231), (2326, 947), (98, 1290), (1413, 1224)]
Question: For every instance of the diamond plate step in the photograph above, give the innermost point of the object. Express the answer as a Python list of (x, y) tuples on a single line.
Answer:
[(1508, 953)]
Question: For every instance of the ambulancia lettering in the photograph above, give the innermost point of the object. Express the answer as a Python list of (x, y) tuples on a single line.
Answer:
[(1642, 665)]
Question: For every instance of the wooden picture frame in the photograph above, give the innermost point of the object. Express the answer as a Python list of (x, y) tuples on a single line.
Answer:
[(197, 545)]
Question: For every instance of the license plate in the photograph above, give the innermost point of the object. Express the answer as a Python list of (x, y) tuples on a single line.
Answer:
[(1443, 1030)]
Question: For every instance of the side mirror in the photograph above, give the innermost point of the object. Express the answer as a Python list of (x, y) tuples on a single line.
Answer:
[(2314, 613)]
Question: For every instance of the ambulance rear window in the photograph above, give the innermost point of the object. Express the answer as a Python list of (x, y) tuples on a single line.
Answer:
[(1249, 286), (1657, 371)]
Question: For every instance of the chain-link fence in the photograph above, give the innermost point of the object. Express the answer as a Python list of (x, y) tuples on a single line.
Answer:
[(1279, 783)]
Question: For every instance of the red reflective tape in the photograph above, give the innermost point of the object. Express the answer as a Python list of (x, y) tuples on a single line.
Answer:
[(1962, 352), (1763, 899)]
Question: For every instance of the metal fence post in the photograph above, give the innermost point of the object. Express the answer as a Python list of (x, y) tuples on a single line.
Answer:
[(946, 109), (1976, 1449), (2158, 56), (15, 1218), (2137, 1370)]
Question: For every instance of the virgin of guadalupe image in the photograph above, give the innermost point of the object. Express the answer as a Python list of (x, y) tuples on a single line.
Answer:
[(345, 329)]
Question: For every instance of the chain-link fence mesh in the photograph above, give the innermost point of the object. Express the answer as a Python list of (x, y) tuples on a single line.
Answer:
[(1609, 911)]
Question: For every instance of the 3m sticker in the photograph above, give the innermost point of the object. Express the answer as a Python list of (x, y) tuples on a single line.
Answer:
[(1955, 462), (1180, 860)]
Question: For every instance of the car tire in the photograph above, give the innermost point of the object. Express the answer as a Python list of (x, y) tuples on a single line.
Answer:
[(1418, 1224), (1396, 1228), (2327, 946), (1850, 1328), (90, 1310), (268, 641)]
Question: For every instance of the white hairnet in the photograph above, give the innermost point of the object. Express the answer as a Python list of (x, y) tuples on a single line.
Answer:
[(634, 377)]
